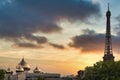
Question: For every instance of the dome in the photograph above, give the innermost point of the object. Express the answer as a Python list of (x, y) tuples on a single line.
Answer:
[(37, 70), (8, 71), (19, 69), (25, 65)]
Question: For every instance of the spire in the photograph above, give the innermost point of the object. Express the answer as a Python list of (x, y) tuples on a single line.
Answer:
[(108, 54), (108, 14), (108, 7)]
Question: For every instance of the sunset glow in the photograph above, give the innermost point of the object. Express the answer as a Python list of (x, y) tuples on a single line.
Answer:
[(61, 36)]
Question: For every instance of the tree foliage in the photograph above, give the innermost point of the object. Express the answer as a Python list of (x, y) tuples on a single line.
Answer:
[(109, 70), (2, 74)]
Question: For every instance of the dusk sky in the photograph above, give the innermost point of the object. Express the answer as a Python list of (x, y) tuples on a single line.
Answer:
[(61, 36)]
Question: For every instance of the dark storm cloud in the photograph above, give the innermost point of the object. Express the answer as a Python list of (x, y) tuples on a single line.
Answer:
[(57, 46), (24, 17), (89, 41), (92, 42), (74, 9)]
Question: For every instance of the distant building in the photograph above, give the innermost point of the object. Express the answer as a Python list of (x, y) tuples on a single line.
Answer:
[(22, 73), (81, 74)]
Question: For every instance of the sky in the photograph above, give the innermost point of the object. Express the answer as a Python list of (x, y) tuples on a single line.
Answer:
[(58, 36)]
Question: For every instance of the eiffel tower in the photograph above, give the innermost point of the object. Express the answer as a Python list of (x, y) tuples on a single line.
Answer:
[(108, 53)]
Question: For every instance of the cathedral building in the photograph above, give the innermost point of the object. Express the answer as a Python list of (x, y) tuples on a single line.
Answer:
[(22, 73)]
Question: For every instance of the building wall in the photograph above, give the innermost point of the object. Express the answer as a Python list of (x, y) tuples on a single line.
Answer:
[(47, 76), (8, 77), (18, 76), (33, 76)]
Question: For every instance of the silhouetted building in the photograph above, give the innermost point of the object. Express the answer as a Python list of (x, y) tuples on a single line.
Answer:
[(108, 54), (81, 74)]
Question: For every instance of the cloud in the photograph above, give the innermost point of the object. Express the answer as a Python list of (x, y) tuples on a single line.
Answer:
[(25, 17), (37, 39), (35, 42), (95, 1), (27, 45), (89, 41), (92, 42), (75, 9), (117, 28), (29, 41), (57, 46)]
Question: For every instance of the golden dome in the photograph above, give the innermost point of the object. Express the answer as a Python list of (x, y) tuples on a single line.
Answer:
[(37, 70), (25, 65), (8, 71), (19, 69)]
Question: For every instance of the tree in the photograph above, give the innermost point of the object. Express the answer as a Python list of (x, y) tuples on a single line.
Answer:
[(2, 74), (109, 70)]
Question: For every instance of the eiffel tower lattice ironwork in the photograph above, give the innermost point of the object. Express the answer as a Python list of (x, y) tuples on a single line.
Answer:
[(108, 54)]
